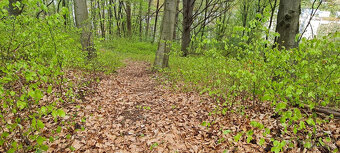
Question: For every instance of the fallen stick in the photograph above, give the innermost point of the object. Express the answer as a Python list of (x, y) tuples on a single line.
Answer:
[(327, 111)]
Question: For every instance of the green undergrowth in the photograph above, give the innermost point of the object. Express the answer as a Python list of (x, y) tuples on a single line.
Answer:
[(37, 58), (130, 49), (306, 77)]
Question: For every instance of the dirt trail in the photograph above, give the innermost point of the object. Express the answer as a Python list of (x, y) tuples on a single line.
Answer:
[(134, 113)]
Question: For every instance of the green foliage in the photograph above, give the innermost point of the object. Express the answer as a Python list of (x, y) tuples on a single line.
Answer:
[(34, 54), (129, 48), (307, 76)]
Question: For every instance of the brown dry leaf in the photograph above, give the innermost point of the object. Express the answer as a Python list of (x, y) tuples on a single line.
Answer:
[(131, 111)]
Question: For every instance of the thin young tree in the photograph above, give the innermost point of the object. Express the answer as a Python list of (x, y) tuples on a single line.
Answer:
[(148, 20), (167, 28)]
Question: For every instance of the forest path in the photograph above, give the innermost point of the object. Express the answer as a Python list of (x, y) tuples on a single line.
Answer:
[(134, 113)]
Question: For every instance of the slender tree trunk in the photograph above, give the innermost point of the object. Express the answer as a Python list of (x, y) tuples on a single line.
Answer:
[(117, 17), (110, 17), (167, 28), (148, 20), (288, 23), (273, 8), (140, 20), (188, 6), (128, 18), (101, 18), (205, 16), (65, 16), (81, 16), (176, 19), (156, 20), (93, 14), (245, 15)]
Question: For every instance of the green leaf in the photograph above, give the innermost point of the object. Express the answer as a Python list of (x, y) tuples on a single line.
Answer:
[(40, 124), (262, 141), (21, 104), (43, 110), (310, 121), (226, 131), (40, 140), (280, 106), (44, 147), (12, 93), (49, 89), (61, 113), (58, 130), (302, 125), (307, 145), (238, 137), (54, 113)]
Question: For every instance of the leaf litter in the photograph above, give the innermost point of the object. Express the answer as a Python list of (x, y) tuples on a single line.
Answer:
[(133, 112)]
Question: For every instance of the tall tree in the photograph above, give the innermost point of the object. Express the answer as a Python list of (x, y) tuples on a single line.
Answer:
[(140, 19), (156, 21), (101, 11), (81, 17), (128, 18), (188, 7), (288, 23), (176, 19), (110, 16), (168, 25), (148, 20)]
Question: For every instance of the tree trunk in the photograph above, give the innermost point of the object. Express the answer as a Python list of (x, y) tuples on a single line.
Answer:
[(164, 45), (93, 14), (273, 8), (128, 18), (140, 20), (156, 20), (117, 17), (81, 17), (188, 6), (148, 20), (65, 16), (288, 23), (110, 17), (176, 19), (13, 10), (101, 18)]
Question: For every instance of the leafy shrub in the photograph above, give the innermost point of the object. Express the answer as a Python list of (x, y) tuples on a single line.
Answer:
[(34, 55)]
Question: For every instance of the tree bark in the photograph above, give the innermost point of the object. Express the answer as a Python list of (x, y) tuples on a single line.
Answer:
[(176, 19), (164, 45), (128, 18), (110, 17), (140, 20), (101, 18), (65, 16), (81, 16), (273, 8), (148, 20), (288, 23), (156, 20), (93, 14), (188, 6)]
